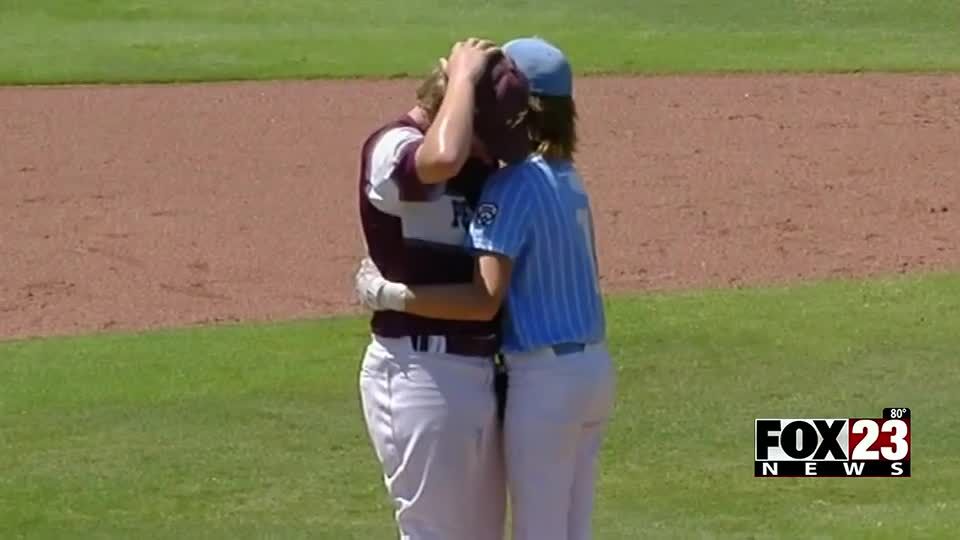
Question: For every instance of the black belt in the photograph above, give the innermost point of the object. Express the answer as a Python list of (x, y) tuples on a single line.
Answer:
[(459, 345), (561, 349)]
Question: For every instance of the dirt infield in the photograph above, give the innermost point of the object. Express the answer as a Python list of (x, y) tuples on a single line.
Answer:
[(136, 207)]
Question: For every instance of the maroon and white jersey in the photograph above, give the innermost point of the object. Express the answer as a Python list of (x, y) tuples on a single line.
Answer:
[(414, 231)]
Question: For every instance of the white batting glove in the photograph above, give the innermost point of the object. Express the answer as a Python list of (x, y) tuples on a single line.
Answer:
[(377, 293)]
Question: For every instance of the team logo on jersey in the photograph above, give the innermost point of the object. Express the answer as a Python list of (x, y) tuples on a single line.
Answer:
[(486, 213)]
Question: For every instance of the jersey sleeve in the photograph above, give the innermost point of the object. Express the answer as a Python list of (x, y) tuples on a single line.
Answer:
[(393, 170), (502, 220)]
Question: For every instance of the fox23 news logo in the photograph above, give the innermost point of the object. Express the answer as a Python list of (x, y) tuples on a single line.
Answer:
[(834, 447)]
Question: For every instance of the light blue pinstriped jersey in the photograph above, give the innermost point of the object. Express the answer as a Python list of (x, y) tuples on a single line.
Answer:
[(538, 214)]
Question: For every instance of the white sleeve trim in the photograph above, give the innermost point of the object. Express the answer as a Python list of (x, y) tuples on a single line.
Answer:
[(384, 192)]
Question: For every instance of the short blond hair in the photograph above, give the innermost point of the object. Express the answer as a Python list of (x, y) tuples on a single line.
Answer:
[(553, 126)]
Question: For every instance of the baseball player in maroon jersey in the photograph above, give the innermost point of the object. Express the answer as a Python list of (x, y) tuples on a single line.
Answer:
[(426, 384)]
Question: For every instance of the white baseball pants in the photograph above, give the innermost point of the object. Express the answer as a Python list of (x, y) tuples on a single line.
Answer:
[(432, 420), (558, 407)]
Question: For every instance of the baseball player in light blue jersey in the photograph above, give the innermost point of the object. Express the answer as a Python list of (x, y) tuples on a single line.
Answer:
[(536, 260)]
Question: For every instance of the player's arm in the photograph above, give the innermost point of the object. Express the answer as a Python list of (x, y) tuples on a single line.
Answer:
[(498, 233), (479, 300), (446, 145), (405, 166), (476, 301)]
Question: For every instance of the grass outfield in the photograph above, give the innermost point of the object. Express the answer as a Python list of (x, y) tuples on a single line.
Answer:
[(255, 431), (50, 41)]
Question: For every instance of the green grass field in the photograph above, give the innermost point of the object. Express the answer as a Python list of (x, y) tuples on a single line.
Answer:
[(255, 431), (43, 41), (251, 431)]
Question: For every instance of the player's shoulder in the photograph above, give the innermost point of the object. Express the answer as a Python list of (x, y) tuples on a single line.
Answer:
[(392, 136), (385, 145)]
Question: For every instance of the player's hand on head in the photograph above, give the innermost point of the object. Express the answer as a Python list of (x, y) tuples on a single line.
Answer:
[(469, 58)]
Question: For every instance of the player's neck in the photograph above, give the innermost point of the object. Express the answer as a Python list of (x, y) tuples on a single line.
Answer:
[(420, 116), (556, 157), (554, 153)]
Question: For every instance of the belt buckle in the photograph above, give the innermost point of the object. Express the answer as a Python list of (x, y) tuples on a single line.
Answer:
[(561, 349)]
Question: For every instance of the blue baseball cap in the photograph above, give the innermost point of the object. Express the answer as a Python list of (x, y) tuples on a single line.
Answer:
[(544, 65)]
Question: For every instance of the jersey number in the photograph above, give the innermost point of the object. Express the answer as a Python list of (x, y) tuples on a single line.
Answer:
[(586, 227)]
